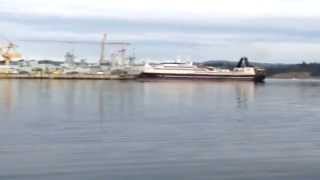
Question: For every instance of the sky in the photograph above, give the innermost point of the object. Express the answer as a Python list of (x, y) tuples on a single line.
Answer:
[(282, 31)]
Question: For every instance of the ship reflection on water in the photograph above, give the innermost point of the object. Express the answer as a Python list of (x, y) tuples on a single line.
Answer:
[(245, 93), (189, 93)]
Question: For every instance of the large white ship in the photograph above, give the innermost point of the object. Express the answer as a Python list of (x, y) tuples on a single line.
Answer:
[(243, 71)]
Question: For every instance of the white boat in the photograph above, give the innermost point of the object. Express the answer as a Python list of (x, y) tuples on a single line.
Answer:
[(243, 71)]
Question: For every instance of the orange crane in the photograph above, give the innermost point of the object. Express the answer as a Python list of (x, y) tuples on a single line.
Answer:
[(9, 54)]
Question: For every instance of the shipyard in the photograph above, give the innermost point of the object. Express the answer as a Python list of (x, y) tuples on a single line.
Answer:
[(119, 66)]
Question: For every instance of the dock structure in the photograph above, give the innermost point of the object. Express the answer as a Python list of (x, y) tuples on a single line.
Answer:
[(68, 76)]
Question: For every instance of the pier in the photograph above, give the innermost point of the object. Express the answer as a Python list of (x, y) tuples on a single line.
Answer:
[(68, 76)]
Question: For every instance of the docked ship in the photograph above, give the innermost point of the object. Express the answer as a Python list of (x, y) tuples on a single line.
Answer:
[(243, 71)]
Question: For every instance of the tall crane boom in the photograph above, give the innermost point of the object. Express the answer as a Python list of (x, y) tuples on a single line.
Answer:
[(74, 42), (103, 44), (102, 55)]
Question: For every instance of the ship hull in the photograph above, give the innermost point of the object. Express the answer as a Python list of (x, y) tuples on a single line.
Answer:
[(255, 78)]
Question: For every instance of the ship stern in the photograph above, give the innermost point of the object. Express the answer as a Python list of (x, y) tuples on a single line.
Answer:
[(260, 75)]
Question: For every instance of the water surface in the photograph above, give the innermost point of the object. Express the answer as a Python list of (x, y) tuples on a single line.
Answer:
[(55, 129)]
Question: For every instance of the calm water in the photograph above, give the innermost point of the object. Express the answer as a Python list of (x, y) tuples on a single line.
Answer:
[(94, 130)]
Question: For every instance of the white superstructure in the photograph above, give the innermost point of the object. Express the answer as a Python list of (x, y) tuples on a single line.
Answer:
[(182, 68)]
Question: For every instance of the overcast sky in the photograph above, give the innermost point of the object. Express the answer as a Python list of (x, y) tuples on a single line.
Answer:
[(264, 30)]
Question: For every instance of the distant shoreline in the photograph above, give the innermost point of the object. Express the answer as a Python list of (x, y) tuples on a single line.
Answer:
[(278, 78), (293, 75)]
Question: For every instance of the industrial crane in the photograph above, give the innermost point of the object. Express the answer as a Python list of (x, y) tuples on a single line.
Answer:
[(9, 54), (103, 44)]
